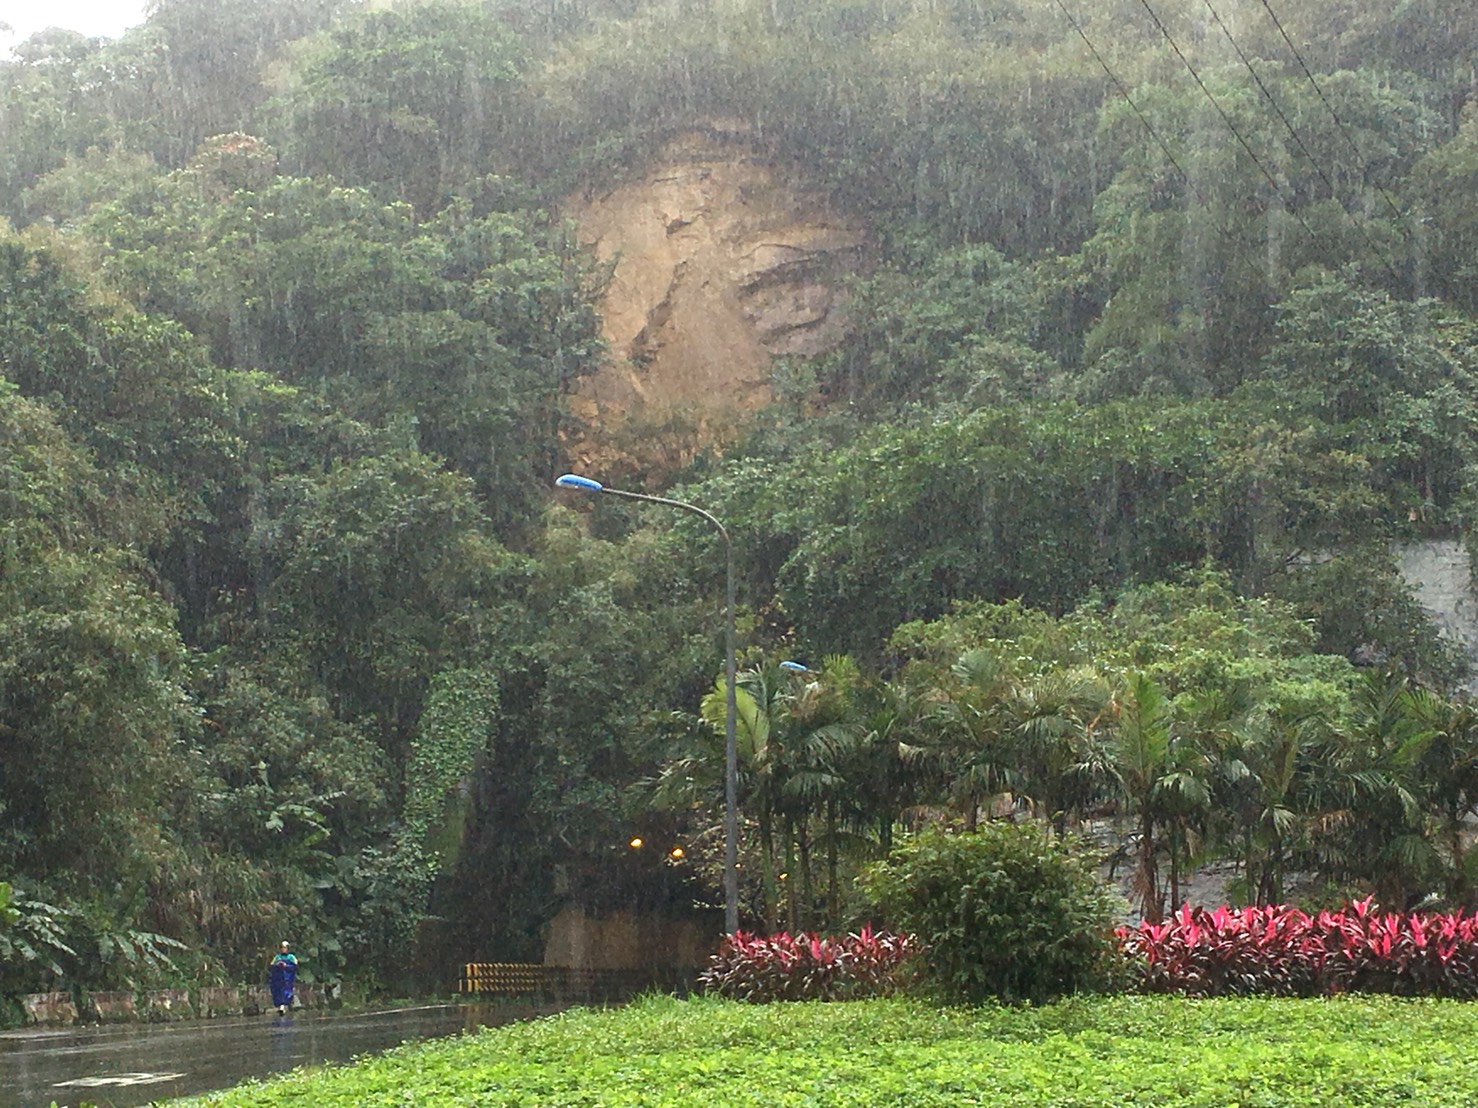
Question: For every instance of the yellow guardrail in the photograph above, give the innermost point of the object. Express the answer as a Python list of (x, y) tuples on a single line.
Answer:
[(528, 979)]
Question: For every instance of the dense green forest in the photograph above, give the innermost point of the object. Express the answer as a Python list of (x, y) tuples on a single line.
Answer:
[(1168, 333)]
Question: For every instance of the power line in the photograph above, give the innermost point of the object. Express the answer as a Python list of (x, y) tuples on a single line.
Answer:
[(1360, 157), (1124, 92), (1273, 103), (1225, 118), (1148, 126)]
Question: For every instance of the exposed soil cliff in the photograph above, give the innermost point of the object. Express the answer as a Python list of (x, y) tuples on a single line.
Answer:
[(721, 266)]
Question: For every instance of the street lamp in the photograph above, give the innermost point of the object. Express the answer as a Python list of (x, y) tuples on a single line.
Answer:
[(731, 745)]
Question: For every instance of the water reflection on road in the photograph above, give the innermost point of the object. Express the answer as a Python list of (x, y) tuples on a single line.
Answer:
[(136, 1064)]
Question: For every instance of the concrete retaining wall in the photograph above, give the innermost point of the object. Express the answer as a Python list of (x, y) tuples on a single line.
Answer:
[(165, 1005), (1441, 574), (112, 1008), (49, 1008), (623, 941)]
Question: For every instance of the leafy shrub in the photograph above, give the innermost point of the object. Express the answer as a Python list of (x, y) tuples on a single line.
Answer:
[(807, 966), (49, 945), (1281, 951), (1006, 912), (34, 944)]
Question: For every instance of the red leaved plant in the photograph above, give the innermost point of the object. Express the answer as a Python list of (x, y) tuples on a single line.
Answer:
[(1281, 951), (807, 966)]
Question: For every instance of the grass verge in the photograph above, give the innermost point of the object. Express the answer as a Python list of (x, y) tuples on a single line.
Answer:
[(1085, 1053)]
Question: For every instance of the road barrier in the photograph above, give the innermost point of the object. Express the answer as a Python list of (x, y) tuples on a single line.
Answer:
[(532, 981), (164, 1005)]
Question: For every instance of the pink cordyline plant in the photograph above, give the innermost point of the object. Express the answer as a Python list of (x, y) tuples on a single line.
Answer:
[(1282, 951), (808, 966)]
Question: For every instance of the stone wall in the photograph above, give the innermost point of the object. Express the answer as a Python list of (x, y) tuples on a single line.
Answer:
[(1441, 573), (49, 1008), (625, 941), (166, 1005), (112, 1007), (163, 1005)]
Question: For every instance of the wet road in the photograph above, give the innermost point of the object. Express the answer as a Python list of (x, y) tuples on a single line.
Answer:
[(138, 1064)]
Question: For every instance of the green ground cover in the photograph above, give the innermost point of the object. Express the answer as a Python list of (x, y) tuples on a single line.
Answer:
[(1092, 1053)]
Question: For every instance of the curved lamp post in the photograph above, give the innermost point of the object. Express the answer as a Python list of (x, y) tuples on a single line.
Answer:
[(731, 746)]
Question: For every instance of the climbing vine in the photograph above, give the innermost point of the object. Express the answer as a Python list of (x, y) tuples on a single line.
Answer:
[(456, 726)]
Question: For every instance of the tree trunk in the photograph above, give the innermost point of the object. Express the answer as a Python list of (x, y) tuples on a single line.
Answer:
[(1174, 870), (1270, 885), (808, 888), (1149, 877), (833, 900), (792, 923), (767, 871), (1459, 871)]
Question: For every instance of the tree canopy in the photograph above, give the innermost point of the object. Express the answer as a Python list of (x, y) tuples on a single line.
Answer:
[(1163, 343)]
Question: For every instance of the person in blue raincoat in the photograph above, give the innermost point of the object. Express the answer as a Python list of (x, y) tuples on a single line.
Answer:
[(281, 975)]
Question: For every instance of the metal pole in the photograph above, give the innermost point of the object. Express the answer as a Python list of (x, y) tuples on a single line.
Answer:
[(731, 711), (731, 758)]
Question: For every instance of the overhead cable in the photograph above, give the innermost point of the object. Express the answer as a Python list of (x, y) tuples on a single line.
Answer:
[(1273, 103), (1148, 126), (1272, 181), (1345, 131)]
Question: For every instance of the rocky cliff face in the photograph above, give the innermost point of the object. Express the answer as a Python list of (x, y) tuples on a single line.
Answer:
[(720, 266)]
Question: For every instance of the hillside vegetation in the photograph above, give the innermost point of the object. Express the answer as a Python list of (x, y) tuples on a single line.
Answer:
[(1165, 333)]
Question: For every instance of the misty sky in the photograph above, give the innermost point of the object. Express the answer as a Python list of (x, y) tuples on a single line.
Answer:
[(108, 18)]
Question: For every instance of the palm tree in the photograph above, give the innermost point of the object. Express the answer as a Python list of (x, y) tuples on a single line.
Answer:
[(792, 736), (970, 731), (760, 765), (1376, 804), (697, 777), (1163, 776), (1450, 767), (1269, 794), (1052, 720), (815, 713), (829, 711), (883, 771)]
